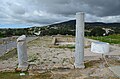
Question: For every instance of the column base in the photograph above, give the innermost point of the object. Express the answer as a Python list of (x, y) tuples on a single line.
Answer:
[(23, 68), (81, 66)]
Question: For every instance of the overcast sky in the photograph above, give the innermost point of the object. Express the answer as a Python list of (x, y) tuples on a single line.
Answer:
[(42, 12)]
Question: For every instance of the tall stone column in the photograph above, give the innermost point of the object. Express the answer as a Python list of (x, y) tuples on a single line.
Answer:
[(22, 53), (79, 46)]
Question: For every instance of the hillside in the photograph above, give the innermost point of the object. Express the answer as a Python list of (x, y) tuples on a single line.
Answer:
[(68, 27), (63, 28), (71, 24)]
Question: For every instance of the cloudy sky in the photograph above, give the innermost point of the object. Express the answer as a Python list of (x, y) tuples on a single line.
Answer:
[(43, 12)]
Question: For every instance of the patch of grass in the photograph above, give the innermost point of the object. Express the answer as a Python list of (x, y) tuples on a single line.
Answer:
[(9, 54), (92, 63), (67, 46), (12, 75), (46, 75), (112, 39), (88, 64), (1, 36), (87, 47), (16, 75)]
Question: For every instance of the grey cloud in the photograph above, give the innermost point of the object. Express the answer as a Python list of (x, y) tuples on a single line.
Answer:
[(43, 19), (51, 11), (94, 7), (104, 7), (17, 9), (2, 16)]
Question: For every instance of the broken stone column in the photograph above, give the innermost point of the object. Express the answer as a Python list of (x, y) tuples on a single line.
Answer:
[(79, 46), (22, 53)]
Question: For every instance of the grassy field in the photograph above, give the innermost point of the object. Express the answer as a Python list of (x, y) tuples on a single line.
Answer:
[(112, 39)]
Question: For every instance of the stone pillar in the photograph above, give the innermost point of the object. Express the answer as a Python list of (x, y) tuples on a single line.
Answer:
[(79, 46), (22, 53)]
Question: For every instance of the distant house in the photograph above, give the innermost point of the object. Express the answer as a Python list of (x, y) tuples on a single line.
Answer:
[(107, 30), (54, 27), (37, 33)]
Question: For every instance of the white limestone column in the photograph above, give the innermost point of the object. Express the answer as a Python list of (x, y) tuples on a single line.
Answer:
[(79, 46), (22, 53)]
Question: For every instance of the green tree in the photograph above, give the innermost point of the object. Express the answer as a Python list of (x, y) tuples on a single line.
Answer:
[(97, 31)]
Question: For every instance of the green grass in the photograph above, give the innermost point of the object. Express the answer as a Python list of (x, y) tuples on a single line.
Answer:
[(69, 46), (12, 75), (1, 36), (66, 46), (16, 75), (92, 63), (112, 39)]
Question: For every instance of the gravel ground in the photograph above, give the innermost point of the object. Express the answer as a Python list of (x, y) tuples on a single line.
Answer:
[(45, 59)]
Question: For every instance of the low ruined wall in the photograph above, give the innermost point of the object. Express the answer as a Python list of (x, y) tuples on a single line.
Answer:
[(54, 40), (60, 40)]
